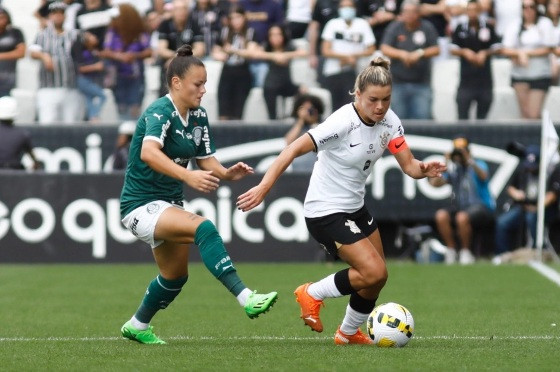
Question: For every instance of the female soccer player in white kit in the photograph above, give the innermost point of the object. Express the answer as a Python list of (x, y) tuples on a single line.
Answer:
[(348, 143)]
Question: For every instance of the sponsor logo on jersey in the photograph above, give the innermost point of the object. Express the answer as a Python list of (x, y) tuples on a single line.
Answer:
[(325, 140), (206, 140), (198, 113), (157, 116), (181, 132), (164, 129), (181, 161), (384, 123), (353, 126), (133, 226)]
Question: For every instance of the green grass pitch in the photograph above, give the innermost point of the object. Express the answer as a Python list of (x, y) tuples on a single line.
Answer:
[(478, 318)]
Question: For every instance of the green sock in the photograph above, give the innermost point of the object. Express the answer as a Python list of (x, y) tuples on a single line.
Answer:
[(216, 258), (160, 293)]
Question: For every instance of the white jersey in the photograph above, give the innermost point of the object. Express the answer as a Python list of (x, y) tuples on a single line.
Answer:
[(347, 148)]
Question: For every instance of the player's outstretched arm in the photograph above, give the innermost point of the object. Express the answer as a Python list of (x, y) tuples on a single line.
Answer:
[(233, 173), (255, 196), (416, 168)]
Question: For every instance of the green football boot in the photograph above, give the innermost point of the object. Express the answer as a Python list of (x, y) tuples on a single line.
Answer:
[(259, 303), (144, 337)]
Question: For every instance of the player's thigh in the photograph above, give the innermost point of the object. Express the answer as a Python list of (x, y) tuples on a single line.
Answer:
[(364, 257), (172, 259), (177, 225)]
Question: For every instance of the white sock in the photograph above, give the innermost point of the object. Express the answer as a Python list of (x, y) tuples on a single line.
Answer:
[(243, 296), (352, 321), (138, 324), (324, 288)]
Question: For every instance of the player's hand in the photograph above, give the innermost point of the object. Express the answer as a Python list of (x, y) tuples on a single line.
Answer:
[(238, 171), (251, 199), (202, 181), (433, 168)]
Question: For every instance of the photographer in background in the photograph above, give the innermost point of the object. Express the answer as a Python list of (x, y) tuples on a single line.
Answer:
[(308, 110), (14, 142), (471, 205), (521, 210)]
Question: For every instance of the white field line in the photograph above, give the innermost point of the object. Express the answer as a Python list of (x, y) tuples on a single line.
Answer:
[(269, 338), (546, 271)]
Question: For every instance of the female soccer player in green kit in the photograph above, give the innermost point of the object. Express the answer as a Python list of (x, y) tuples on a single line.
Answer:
[(172, 131)]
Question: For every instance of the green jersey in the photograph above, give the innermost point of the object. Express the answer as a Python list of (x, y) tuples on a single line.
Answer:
[(181, 139)]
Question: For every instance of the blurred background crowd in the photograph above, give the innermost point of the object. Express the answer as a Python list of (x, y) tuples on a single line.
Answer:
[(104, 60)]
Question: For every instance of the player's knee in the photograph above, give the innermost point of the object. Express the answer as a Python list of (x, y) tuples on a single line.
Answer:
[(462, 218), (375, 276), (441, 216)]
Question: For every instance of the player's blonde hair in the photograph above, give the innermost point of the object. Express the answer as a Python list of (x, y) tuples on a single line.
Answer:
[(377, 73)]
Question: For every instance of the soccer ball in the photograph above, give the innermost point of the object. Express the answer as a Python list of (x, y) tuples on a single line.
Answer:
[(390, 325)]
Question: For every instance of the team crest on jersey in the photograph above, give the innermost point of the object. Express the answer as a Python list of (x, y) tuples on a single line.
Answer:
[(384, 139), (353, 227), (197, 135), (152, 208)]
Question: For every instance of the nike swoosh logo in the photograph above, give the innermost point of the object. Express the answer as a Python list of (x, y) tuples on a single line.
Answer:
[(310, 319), (399, 145), (370, 221), (354, 144), (226, 267)]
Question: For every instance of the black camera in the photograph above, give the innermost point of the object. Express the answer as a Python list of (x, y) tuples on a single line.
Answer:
[(456, 153)]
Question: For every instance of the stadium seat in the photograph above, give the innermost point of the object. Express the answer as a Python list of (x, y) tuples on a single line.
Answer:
[(213, 71), (27, 74), (501, 72), (152, 77), (445, 80), (109, 113), (504, 105), (302, 73), (210, 104), (255, 110), (26, 105)]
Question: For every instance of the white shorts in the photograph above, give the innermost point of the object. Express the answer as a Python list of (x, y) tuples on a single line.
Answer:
[(142, 221)]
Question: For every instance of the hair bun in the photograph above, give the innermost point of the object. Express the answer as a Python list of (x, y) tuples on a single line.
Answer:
[(381, 62), (185, 51)]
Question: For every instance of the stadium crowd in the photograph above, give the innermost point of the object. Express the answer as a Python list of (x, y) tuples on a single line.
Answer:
[(94, 51)]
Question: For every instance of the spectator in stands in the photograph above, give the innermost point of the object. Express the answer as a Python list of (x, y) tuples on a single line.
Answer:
[(379, 13), (474, 41), (411, 42), (90, 75), (344, 41), (12, 48), (208, 18), (126, 46), (436, 12), (278, 51), (58, 100), (120, 155), (308, 112), (14, 141), (521, 209), (261, 14), (94, 17), (529, 45), (298, 16), (471, 205), (234, 48), (73, 7), (323, 11), (174, 32)]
